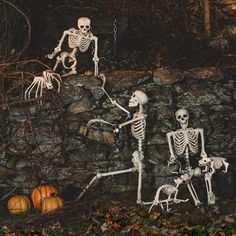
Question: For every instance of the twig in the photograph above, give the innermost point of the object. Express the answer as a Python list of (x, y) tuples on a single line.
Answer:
[(25, 62), (20, 102), (8, 194), (28, 24)]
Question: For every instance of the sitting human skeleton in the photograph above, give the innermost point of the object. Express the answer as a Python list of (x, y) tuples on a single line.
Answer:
[(78, 39), (183, 142), (43, 82), (138, 126)]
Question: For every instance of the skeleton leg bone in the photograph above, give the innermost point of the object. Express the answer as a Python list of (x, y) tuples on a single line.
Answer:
[(210, 194), (58, 61), (100, 175), (193, 194), (139, 191)]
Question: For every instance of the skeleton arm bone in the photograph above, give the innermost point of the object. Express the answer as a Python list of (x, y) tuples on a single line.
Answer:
[(141, 117), (58, 47), (99, 120), (113, 102), (95, 57), (172, 155), (203, 152)]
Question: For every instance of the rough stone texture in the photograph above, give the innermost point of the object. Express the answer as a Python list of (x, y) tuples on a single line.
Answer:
[(53, 144), (167, 76)]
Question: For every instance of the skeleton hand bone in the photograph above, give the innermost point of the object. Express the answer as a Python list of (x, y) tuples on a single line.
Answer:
[(171, 160), (56, 50)]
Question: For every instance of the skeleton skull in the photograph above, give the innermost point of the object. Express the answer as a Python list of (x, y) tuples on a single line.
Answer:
[(138, 98), (48, 81), (84, 25), (182, 116), (49, 85)]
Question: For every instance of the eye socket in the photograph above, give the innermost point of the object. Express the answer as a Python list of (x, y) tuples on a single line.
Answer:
[(87, 26), (134, 95), (179, 117), (185, 116), (82, 26)]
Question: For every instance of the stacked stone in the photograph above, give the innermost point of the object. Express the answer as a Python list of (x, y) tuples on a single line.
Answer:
[(53, 144)]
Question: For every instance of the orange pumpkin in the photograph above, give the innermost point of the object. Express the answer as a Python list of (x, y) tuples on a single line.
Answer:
[(18, 204), (41, 192), (52, 203)]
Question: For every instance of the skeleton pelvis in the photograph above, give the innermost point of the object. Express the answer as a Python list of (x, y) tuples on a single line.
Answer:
[(67, 61)]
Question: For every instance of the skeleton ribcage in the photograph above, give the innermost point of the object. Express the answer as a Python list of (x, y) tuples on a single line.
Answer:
[(74, 41), (184, 139), (82, 43), (138, 128)]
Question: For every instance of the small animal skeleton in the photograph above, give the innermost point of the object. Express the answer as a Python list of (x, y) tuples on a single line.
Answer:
[(210, 165), (171, 191), (138, 127), (43, 82), (78, 39)]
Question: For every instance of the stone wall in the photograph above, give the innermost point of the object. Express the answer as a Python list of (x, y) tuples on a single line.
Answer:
[(51, 143)]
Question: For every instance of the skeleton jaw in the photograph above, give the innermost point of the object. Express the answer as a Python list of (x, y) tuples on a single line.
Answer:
[(133, 103), (184, 126)]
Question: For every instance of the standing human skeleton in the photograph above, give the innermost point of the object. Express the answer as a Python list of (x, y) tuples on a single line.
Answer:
[(78, 39), (138, 127)]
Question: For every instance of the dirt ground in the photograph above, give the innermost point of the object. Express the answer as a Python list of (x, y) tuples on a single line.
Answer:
[(121, 216)]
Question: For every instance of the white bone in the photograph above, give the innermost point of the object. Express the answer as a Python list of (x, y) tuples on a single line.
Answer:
[(219, 162), (42, 82), (92, 121), (171, 191), (211, 164), (78, 39), (182, 116), (100, 175), (210, 194), (193, 193), (184, 139), (138, 126), (113, 102)]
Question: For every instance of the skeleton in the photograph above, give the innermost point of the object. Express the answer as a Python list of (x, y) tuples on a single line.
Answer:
[(169, 190), (42, 82), (215, 163), (78, 39), (138, 126), (210, 165), (184, 141)]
